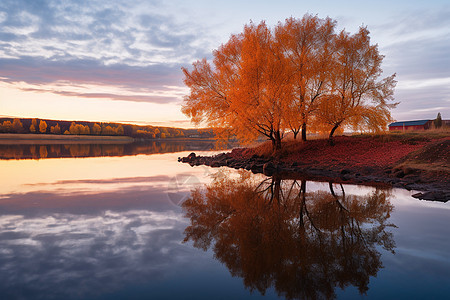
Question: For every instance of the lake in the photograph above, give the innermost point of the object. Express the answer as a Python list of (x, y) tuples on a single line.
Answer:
[(119, 221)]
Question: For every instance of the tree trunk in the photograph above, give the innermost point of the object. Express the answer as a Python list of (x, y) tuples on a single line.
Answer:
[(302, 196), (273, 144), (330, 138), (304, 131), (276, 181), (277, 140), (295, 134)]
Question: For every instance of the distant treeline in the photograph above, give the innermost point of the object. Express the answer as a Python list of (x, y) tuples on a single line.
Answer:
[(43, 126)]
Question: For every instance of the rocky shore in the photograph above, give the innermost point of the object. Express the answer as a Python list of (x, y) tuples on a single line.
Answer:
[(430, 187)]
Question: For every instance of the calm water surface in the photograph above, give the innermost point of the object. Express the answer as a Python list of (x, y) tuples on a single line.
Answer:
[(144, 226)]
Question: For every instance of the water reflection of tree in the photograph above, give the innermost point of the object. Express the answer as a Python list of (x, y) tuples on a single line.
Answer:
[(274, 233)]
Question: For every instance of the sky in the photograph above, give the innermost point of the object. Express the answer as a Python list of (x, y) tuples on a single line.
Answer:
[(121, 60)]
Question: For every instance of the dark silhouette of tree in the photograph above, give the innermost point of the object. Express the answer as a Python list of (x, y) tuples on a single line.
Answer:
[(273, 233), (438, 121)]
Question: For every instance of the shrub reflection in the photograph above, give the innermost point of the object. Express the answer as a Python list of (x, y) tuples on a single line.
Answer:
[(273, 233), (31, 151)]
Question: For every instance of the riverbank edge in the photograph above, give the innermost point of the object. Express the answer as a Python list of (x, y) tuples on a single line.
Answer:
[(60, 137), (19, 138), (428, 187)]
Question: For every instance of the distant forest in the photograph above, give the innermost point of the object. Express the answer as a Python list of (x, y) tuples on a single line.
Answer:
[(43, 126)]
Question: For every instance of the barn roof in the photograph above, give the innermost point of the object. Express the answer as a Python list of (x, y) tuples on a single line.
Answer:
[(410, 123)]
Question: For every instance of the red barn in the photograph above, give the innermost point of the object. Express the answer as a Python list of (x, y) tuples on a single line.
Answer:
[(410, 125)]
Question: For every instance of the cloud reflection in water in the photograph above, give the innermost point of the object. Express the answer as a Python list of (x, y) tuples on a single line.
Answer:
[(86, 245)]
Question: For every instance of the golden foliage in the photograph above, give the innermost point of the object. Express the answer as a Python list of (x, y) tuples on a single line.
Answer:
[(264, 81), (17, 125), (42, 126), (7, 126), (108, 130), (119, 130), (356, 98), (55, 129), (79, 129), (308, 45), (96, 129)]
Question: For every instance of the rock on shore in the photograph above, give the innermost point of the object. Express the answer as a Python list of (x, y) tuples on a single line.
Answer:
[(409, 179)]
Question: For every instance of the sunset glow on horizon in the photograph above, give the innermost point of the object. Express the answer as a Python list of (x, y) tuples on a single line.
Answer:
[(121, 62)]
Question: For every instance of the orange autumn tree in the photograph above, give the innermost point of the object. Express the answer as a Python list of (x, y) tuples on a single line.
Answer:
[(55, 129), (307, 43), (42, 126), (247, 89), (263, 87), (7, 126), (96, 129), (264, 82), (33, 126), (17, 125), (356, 97)]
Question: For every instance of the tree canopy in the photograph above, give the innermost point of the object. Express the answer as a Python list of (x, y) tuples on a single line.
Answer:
[(300, 74)]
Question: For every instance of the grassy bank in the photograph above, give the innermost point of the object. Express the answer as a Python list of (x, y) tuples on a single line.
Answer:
[(412, 157), (381, 151)]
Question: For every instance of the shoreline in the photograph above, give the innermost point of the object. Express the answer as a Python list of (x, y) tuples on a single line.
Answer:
[(433, 184), (19, 138), (46, 139)]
